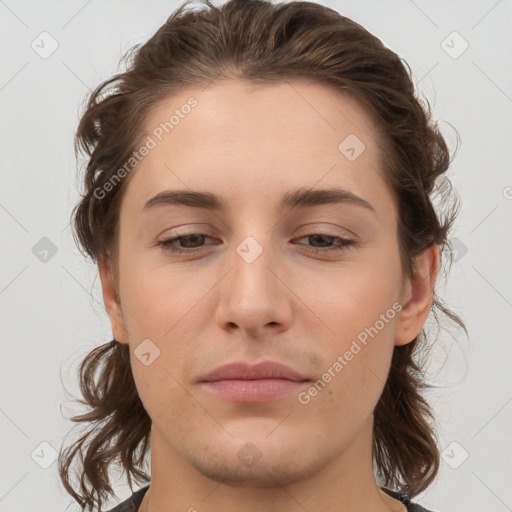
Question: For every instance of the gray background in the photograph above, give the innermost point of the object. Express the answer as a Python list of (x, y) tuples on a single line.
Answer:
[(50, 302)]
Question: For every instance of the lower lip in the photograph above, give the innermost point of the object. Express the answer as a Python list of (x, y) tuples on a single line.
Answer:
[(254, 391)]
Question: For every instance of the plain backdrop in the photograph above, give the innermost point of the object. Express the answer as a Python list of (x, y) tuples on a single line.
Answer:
[(53, 52)]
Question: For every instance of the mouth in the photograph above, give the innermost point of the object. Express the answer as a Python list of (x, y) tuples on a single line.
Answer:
[(244, 383)]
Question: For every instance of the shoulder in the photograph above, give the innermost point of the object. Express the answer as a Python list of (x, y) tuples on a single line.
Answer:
[(411, 507), (132, 504)]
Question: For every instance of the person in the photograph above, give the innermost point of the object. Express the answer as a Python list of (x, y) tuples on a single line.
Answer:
[(259, 199)]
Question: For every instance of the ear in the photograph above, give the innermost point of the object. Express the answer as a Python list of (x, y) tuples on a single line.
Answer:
[(112, 302), (417, 297)]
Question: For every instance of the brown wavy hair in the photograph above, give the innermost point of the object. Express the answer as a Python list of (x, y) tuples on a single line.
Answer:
[(263, 43)]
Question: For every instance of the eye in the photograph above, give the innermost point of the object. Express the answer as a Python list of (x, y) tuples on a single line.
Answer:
[(343, 243), (193, 242), (191, 239)]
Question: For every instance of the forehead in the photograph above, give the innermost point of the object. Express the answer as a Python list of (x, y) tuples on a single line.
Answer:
[(246, 141)]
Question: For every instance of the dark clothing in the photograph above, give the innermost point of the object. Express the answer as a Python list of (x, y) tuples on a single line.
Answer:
[(411, 507), (132, 504)]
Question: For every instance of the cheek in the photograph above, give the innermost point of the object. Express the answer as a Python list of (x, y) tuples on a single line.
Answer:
[(158, 299), (353, 375), (165, 305), (352, 297), (355, 319), (165, 398)]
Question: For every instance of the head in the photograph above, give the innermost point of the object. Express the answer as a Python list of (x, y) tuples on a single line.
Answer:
[(266, 110)]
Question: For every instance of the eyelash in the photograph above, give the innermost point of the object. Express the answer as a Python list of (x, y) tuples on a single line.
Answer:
[(345, 244)]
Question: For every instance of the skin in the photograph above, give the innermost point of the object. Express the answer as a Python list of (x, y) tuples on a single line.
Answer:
[(251, 144)]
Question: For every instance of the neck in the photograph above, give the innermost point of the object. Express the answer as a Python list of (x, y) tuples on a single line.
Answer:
[(344, 483)]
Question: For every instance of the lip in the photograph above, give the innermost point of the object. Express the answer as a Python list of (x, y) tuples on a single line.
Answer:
[(240, 370), (245, 383)]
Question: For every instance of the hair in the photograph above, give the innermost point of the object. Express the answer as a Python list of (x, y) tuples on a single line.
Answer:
[(261, 43)]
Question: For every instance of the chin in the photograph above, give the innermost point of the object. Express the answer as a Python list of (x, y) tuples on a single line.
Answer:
[(263, 474), (260, 463)]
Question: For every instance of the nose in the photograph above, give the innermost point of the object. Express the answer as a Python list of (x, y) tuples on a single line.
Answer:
[(255, 295)]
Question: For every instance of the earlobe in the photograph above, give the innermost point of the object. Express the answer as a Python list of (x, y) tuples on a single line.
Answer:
[(418, 295), (112, 305)]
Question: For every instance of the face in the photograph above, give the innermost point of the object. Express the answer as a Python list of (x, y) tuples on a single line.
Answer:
[(314, 284)]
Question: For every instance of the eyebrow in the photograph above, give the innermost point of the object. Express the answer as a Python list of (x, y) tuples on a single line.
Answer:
[(297, 199)]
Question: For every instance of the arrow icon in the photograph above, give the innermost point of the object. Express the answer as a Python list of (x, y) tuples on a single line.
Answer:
[(147, 352), (44, 455), (44, 250), (249, 455), (247, 252), (454, 455), (44, 44), (351, 147), (454, 45)]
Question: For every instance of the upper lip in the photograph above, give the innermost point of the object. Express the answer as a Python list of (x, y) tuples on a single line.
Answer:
[(244, 371)]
